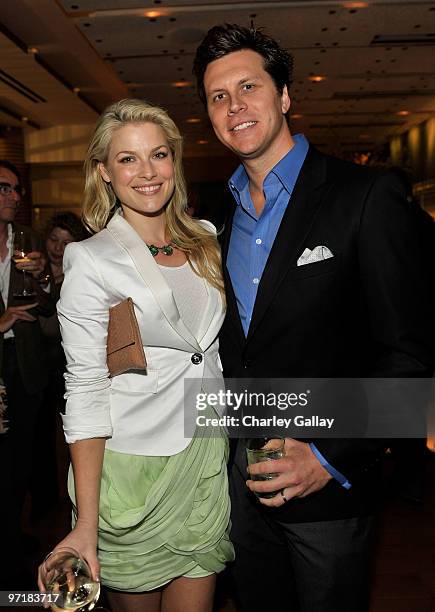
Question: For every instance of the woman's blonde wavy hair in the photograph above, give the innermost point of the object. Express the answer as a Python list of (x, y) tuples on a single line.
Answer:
[(201, 247)]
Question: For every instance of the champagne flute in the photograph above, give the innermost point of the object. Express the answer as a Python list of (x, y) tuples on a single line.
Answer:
[(22, 247), (68, 582)]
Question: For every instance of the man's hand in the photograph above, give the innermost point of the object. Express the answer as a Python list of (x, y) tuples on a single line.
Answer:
[(15, 313), (35, 265), (299, 474)]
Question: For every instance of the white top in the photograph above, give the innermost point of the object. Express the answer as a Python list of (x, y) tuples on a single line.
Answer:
[(140, 412), (190, 294)]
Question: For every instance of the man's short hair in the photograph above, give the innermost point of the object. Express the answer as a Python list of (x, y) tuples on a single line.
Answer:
[(4, 163), (227, 38)]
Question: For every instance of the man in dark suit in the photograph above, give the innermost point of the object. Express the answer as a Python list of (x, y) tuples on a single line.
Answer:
[(325, 278), (23, 366)]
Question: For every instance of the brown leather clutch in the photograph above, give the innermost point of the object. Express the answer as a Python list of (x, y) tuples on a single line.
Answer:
[(124, 344)]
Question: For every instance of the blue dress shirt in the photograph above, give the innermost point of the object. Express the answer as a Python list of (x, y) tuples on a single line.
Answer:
[(252, 238), (253, 235)]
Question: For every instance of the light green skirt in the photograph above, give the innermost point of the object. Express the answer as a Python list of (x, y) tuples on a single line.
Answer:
[(163, 517)]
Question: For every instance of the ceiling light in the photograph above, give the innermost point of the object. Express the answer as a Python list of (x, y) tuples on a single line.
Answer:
[(181, 84), (202, 142), (76, 90), (402, 113), (150, 14), (25, 119), (193, 120), (153, 14), (355, 5), (316, 78), (296, 116), (33, 50)]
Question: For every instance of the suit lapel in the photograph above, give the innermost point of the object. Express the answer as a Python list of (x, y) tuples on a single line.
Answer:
[(144, 263), (301, 211), (212, 318), (232, 309)]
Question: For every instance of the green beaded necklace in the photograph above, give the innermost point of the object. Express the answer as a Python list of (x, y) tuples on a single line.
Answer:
[(166, 249)]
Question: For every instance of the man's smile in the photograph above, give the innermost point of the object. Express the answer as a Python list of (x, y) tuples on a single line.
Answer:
[(243, 126)]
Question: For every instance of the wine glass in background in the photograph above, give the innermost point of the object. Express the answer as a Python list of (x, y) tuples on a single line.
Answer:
[(22, 247), (67, 579)]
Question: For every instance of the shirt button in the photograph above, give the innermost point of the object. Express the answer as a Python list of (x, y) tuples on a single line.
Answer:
[(196, 358), (258, 241), (255, 281)]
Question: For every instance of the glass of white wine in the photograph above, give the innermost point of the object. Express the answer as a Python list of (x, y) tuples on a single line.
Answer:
[(68, 581), (22, 247)]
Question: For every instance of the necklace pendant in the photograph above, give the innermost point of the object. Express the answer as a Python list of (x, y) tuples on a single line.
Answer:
[(166, 249)]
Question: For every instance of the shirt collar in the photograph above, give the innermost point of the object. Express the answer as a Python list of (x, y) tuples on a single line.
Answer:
[(286, 170)]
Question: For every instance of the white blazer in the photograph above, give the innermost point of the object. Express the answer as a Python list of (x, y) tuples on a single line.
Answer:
[(140, 412)]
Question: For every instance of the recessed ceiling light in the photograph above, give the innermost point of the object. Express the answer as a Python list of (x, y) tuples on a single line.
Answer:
[(153, 14), (403, 113), (193, 120), (181, 84), (76, 89), (33, 50), (316, 78), (202, 142), (25, 119), (353, 5)]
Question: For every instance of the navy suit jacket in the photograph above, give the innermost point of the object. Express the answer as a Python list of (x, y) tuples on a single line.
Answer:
[(366, 312)]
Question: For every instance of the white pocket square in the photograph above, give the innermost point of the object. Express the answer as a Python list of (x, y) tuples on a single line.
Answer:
[(319, 253)]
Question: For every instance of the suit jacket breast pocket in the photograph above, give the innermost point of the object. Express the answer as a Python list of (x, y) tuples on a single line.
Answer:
[(317, 268)]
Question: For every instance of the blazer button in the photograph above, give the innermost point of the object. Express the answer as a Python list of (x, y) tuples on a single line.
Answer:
[(196, 358)]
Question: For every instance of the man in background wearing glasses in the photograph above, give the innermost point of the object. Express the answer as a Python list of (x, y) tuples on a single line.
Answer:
[(23, 370)]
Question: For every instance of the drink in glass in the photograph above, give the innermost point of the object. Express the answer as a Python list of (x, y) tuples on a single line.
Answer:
[(67, 579), (264, 449)]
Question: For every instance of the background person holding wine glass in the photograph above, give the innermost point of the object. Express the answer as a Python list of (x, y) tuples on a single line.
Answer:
[(153, 503), (23, 366)]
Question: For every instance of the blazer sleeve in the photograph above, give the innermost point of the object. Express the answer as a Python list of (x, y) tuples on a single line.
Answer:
[(83, 311), (396, 282)]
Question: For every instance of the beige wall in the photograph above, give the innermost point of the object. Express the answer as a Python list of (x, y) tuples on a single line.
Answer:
[(55, 156), (55, 187), (59, 144)]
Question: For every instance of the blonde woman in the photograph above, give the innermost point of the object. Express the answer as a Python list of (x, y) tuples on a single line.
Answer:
[(152, 504)]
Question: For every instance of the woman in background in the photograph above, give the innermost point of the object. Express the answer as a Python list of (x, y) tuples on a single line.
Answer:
[(60, 230), (153, 502)]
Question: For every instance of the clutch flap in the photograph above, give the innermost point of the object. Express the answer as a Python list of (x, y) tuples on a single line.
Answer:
[(121, 331)]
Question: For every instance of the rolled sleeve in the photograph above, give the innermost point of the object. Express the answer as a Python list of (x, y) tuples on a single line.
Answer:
[(83, 311)]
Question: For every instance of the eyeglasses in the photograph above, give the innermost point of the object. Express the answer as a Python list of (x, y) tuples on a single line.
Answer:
[(6, 189)]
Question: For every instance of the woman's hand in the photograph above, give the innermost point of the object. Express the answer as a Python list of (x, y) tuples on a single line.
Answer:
[(83, 539), (16, 313)]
